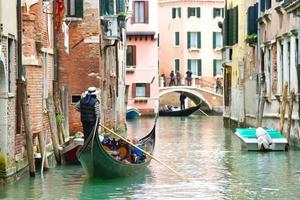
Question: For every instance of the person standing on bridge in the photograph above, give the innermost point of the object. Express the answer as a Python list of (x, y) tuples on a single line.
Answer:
[(189, 78), (172, 78), (178, 78), (182, 101)]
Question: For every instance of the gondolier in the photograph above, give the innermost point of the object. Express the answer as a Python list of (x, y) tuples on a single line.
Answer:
[(89, 110)]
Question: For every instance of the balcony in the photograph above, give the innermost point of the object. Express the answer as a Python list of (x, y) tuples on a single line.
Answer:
[(292, 6)]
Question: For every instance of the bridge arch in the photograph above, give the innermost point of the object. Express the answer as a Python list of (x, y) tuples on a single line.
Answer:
[(191, 92)]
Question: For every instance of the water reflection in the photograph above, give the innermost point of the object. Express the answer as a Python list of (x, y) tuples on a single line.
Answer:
[(198, 147), (124, 188)]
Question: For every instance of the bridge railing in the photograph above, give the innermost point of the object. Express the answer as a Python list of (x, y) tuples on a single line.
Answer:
[(195, 82)]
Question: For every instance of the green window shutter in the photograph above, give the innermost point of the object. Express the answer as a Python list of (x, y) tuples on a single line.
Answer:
[(214, 39), (189, 11), (199, 40), (189, 65), (179, 12), (189, 40), (223, 12), (120, 6), (198, 12), (214, 12), (107, 7), (176, 38), (177, 66), (199, 63), (215, 67), (79, 8), (173, 13), (235, 20)]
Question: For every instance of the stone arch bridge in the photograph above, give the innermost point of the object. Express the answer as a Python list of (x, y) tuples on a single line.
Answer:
[(209, 99)]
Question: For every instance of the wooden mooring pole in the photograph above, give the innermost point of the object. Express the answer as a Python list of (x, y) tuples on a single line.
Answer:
[(291, 105), (43, 151), (27, 126), (283, 107), (53, 127)]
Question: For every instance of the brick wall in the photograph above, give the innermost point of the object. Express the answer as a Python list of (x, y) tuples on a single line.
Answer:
[(83, 59)]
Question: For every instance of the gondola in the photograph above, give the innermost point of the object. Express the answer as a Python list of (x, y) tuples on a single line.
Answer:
[(185, 112), (99, 164)]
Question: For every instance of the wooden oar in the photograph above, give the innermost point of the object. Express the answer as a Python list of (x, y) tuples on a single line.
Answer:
[(145, 152)]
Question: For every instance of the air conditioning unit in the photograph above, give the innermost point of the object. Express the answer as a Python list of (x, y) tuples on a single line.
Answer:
[(110, 27)]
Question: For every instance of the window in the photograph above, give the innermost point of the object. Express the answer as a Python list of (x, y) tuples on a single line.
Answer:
[(176, 39), (177, 65), (11, 56), (194, 12), (218, 12), (158, 40), (74, 8), (131, 55), (217, 67), (75, 98), (140, 90), (120, 6), (194, 40), (176, 13), (217, 40), (265, 5), (194, 65), (140, 13)]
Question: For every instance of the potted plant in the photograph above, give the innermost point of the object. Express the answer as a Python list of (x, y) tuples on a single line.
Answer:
[(251, 39), (121, 16)]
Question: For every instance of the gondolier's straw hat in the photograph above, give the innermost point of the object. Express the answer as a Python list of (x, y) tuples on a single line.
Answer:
[(92, 91)]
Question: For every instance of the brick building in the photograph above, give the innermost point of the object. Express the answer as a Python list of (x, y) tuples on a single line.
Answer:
[(91, 63), (37, 60)]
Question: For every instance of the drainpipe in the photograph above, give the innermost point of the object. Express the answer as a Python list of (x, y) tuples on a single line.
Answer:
[(55, 57), (298, 68), (261, 75), (19, 35)]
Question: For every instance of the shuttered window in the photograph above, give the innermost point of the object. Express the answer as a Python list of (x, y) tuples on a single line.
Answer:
[(231, 26), (107, 7), (140, 90), (194, 40), (120, 6), (217, 40), (252, 15), (195, 66), (218, 12), (194, 12), (217, 67), (265, 5), (176, 13), (131, 55), (140, 12), (177, 40), (177, 65), (74, 8)]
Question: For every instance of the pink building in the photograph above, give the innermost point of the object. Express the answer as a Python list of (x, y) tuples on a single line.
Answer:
[(142, 56), (190, 39)]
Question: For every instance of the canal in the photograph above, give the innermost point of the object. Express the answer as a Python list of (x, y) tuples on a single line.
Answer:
[(198, 147)]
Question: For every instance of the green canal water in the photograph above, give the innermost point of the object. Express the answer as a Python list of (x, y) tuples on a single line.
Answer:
[(198, 147)]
